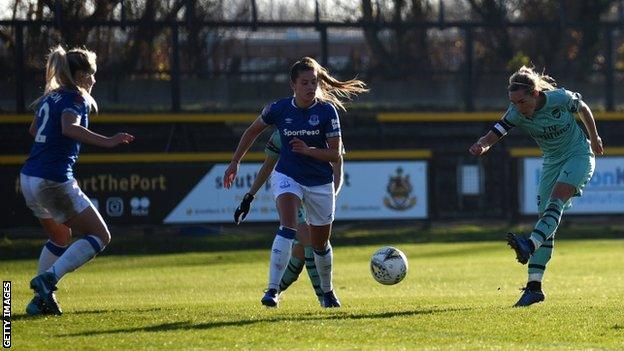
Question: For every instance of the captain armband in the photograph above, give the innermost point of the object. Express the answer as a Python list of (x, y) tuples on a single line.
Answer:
[(502, 127)]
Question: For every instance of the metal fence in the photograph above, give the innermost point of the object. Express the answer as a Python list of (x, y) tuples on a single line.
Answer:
[(252, 69)]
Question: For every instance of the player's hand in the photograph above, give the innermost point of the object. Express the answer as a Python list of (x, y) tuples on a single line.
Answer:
[(230, 174), (478, 149), (243, 208), (596, 145), (299, 146), (120, 138)]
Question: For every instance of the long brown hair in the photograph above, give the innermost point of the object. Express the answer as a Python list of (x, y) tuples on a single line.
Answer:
[(61, 67), (329, 89), (528, 80)]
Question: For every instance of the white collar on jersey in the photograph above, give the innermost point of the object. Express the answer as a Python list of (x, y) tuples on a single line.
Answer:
[(292, 101)]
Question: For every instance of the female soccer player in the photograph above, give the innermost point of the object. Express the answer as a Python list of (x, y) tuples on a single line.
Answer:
[(47, 181), (302, 250), (547, 115), (309, 129)]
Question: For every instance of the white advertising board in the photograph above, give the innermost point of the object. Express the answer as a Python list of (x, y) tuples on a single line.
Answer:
[(604, 194), (372, 190)]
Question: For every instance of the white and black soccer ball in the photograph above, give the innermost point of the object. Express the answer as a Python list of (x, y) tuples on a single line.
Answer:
[(388, 265)]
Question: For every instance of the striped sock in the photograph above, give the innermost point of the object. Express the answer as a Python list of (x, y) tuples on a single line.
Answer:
[(539, 260), (78, 253), (312, 272), (49, 254), (547, 225), (291, 274)]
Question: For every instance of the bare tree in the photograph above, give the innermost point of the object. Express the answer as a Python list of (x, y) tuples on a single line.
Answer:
[(408, 47), (494, 38)]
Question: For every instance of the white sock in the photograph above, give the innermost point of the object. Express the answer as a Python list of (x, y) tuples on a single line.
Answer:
[(280, 255), (49, 254), (78, 253), (323, 262), (535, 277)]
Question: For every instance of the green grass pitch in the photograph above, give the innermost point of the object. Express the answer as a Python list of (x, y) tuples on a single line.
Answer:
[(456, 296)]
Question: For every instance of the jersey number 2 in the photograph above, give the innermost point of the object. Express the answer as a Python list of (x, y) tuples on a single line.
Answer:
[(45, 110)]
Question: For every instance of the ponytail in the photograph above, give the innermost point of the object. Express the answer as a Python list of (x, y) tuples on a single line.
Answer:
[(330, 89), (528, 80), (60, 69)]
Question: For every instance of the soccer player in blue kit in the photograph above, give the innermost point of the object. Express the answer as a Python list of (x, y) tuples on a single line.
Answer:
[(309, 129), (47, 181), (302, 252)]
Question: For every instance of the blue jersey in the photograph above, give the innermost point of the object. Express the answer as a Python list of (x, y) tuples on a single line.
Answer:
[(313, 125), (53, 155)]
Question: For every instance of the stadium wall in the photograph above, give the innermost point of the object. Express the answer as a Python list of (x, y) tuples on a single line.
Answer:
[(183, 148)]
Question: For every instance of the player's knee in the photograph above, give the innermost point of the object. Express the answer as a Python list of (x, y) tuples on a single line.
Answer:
[(60, 241), (320, 246), (104, 236), (555, 204), (60, 237)]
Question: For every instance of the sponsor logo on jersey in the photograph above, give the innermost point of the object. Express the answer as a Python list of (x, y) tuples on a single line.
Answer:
[(314, 120), (288, 120), (556, 113), (301, 132), (554, 131), (335, 123)]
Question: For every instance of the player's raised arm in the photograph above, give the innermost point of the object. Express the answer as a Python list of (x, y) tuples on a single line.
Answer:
[(484, 143), (497, 132), (70, 124)]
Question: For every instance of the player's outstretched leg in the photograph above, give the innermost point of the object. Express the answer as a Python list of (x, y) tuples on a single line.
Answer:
[(544, 229), (548, 223), (523, 247)]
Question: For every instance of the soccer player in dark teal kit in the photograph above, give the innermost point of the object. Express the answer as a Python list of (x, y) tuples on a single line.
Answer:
[(547, 115), (309, 129), (60, 126)]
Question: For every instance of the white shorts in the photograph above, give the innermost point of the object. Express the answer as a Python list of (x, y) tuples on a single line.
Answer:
[(319, 201), (50, 199)]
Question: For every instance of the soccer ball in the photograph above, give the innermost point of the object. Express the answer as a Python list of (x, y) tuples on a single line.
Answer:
[(388, 265)]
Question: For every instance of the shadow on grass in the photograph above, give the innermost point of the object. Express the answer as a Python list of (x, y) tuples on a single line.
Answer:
[(188, 325), (166, 240), (24, 316)]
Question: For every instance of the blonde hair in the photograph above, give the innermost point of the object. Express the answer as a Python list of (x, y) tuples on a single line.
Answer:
[(61, 67), (329, 89), (528, 80)]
